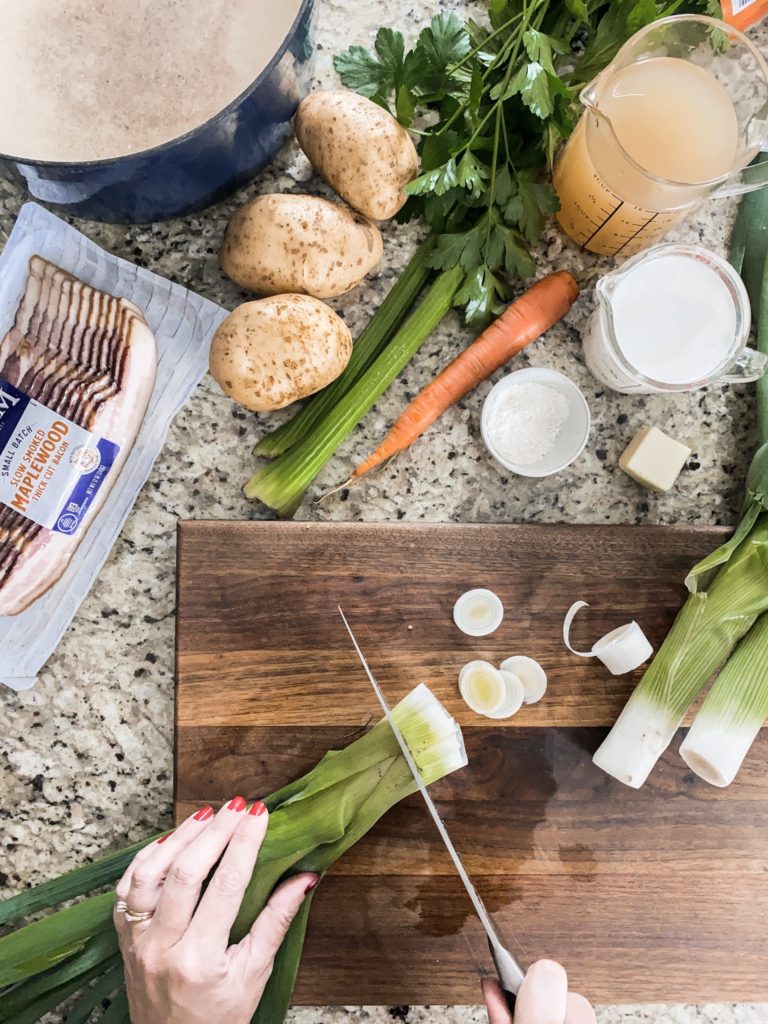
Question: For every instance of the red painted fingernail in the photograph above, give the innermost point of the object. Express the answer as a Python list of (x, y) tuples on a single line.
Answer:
[(204, 814), (258, 808), (312, 885), (163, 838), (238, 804)]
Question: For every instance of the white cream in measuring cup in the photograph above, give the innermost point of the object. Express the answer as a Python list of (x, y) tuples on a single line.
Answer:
[(674, 318)]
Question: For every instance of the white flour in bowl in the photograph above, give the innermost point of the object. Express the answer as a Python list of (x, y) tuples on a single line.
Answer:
[(525, 420), (93, 79)]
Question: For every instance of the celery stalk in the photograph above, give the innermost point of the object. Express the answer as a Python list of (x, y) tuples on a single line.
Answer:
[(313, 821), (368, 346), (282, 484)]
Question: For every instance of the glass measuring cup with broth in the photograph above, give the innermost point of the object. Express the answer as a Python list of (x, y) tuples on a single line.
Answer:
[(677, 116)]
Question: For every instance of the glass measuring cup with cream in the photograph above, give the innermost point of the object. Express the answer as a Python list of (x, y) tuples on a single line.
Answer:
[(675, 318)]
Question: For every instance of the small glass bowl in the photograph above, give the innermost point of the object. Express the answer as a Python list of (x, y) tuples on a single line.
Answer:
[(573, 435)]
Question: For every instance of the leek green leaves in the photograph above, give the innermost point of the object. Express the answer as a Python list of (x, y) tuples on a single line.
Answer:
[(313, 821)]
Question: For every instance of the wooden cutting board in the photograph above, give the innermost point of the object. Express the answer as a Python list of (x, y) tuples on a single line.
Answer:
[(651, 896)]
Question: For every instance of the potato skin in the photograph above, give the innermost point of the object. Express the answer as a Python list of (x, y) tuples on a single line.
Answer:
[(274, 351), (301, 244), (359, 148)]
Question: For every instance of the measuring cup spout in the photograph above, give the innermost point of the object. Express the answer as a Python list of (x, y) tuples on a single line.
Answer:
[(589, 96)]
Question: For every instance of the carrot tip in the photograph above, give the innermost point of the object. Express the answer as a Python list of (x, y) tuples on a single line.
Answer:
[(335, 490)]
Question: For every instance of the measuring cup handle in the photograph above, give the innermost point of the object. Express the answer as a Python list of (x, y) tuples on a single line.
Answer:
[(750, 365), (753, 177)]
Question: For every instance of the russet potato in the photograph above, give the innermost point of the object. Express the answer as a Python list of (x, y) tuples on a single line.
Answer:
[(274, 351), (359, 149), (304, 244)]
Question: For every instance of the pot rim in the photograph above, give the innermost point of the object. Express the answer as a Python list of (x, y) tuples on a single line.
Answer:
[(214, 119)]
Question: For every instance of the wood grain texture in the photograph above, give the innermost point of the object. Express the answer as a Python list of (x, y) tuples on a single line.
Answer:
[(656, 895)]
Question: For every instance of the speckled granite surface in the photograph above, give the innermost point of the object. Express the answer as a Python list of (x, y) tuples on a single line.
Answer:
[(87, 754)]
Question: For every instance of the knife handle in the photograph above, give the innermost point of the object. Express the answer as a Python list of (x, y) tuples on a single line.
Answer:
[(509, 973), (511, 1000)]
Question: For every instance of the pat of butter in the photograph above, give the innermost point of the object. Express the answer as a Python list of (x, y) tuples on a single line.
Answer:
[(654, 459)]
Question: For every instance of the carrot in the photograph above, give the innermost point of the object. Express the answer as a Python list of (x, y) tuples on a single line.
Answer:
[(522, 322)]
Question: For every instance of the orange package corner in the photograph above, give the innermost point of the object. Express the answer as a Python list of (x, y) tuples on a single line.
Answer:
[(743, 14)]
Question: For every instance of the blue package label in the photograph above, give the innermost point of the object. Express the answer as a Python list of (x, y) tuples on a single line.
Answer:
[(51, 469)]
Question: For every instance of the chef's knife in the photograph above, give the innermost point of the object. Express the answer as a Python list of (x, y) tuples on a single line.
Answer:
[(509, 970)]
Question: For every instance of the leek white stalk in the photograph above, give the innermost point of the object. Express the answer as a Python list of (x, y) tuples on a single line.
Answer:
[(710, 624), (733, 713)]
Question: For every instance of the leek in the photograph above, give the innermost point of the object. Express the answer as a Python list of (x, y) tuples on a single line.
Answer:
[(712, 621), (728, 593), (733, 712), (313, 821), (737, 705)]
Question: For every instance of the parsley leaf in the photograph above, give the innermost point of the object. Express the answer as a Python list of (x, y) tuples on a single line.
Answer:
[(370, 74), (534, 84), (441, 46), (483, 294), (529, 206), (540, 48), (438, 180), (472, 175)]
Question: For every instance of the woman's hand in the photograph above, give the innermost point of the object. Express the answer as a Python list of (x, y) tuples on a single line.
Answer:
[(543, 999), (179, 966)]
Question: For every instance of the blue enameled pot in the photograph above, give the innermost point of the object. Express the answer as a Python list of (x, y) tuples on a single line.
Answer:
[(194, 170)]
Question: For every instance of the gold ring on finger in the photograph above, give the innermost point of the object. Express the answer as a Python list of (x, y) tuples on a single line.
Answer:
[(135, 916)]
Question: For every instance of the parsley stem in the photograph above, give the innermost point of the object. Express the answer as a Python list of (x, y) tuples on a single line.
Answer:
[(488, 38)]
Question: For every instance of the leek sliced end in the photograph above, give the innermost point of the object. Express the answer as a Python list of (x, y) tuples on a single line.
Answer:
[(432, 734), (642, 733), (715, 750)]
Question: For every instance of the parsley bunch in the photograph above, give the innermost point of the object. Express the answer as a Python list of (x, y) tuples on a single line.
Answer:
[(497, 105), (491, 106)]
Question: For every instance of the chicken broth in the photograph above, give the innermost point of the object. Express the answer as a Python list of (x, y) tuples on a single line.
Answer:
[(94, 79)]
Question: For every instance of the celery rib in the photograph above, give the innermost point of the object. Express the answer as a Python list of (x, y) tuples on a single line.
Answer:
[(368, 346), (282, 484)]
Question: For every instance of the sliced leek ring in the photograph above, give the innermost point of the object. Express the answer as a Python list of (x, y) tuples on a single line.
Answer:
[(483, 687), (490, 692), (622, 650), (478, 612), (531, 675), (515, 696)]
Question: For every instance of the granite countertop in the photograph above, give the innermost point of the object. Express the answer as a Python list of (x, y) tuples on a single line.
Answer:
[(87, 754)]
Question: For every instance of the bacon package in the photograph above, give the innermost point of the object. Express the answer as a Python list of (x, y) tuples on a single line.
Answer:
[(96, 357)]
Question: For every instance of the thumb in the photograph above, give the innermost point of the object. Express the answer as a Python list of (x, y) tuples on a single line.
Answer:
[(273, 922)]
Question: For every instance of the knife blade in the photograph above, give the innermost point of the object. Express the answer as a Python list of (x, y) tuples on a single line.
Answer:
[(509, 970)]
